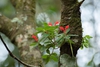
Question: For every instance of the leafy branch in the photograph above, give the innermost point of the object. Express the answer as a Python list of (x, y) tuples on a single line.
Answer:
[(50, 38)]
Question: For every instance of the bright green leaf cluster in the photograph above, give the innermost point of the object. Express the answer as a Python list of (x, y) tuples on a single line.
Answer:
[(85, 41)]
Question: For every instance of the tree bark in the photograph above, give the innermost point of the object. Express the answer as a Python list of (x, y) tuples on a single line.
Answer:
[(70, 15), (19, 30)]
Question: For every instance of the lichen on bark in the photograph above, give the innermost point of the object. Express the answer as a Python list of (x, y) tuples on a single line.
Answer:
[(20, 34)]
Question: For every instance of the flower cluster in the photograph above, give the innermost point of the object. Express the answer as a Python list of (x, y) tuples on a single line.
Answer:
[(50, 38), (56, 23), (63, 29)]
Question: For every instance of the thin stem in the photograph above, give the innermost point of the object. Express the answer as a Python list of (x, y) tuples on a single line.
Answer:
[(71, 49), (13, 56)]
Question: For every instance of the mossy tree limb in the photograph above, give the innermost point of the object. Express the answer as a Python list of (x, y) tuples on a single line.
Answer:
[(20, 31)]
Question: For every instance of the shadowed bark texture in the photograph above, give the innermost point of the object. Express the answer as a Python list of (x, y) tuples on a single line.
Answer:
[(70, 15), (20, 31)]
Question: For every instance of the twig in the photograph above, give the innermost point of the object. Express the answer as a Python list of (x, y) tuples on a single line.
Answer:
[(71, 49), (13, 56)]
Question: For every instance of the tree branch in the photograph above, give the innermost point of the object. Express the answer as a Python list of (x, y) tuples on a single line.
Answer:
[(19, 31)]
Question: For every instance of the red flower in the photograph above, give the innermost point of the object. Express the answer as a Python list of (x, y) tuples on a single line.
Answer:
[(50, 24), (35, 38), (56, 23), (64, 29)]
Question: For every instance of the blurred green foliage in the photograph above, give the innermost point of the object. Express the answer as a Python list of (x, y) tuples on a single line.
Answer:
[(86, 41), (7, 9), (50, 7)]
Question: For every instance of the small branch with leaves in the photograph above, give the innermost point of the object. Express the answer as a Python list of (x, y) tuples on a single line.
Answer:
[(51, 39)]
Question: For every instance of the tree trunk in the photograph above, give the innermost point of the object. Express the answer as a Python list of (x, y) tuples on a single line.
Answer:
[(19, 30), (70, 15)]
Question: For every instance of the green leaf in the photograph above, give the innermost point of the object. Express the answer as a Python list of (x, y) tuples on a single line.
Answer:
[(45, 24), (67, 30), (44, 37), (50, 45), (46, 28), (67, 38), (81, 47), (48, 51), (70, 41), (34, 44), (85, 41), (90, 63), (54, 57), (60, 42), (87, 36), (85, 45), (40, 29), (59, 37), (54, 53), (46, 58), (47, 43)]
